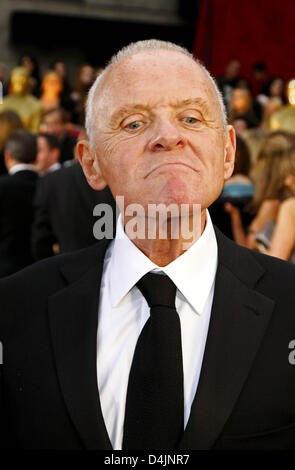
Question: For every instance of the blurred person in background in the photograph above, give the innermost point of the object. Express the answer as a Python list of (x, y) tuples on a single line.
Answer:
[(60, 67), (48, 154), (242, 122), (260, 79), (276, 89), (239, 186), (85, 78), (242, 103), (238, 190), (227, 82), (4, 86), (21, 101), (55, 123), (9, 122), (273, 99), (66, 102), (284, 118), (63, 211), (31, 65), (245, 115), (269, 189), (254, 138), (278, 237), (17, 190), (51, 89)]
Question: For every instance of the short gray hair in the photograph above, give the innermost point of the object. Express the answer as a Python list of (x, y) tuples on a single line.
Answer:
[(133, 48), (22, 145)]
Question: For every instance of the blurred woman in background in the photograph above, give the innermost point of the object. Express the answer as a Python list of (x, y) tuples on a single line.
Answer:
[(32, 66), (270, 189), (279, 237), (85, 78)]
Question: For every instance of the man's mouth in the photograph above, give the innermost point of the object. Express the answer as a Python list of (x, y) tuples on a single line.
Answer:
[(170, 164)]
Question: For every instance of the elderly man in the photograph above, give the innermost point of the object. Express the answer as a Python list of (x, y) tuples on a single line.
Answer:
[(152, 342)]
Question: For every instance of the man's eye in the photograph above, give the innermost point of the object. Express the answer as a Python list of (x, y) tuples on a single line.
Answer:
[(134, 125), (190, 120)]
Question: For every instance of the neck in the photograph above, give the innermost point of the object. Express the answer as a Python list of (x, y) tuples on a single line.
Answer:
[(162, 243)]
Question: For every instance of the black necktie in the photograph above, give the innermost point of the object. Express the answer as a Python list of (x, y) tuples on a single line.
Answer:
[(154, 405)]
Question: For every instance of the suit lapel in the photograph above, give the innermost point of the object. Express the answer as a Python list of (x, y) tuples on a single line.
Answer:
[(73, 315), (239, 318)]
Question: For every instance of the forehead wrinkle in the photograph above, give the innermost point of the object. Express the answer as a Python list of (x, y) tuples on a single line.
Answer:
[(128, 109), (145, 107), (199, 102), (125, 66)]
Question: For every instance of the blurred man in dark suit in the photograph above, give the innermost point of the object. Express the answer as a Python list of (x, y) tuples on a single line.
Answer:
[(64, 204), (16, 202), (48, 154), (54, 121)]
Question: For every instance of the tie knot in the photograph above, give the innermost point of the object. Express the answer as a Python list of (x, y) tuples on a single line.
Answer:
[(158, 290)]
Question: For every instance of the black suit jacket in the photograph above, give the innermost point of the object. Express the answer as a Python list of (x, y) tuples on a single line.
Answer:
[(67, 146), (245, 397), (64, 205), (16, 218)]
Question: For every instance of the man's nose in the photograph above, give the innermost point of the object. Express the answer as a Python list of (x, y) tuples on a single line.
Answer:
[(166, 136)]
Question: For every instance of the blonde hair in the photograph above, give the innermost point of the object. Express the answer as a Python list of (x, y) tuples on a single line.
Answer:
[(288, 163), (269, 171), (133, 48)]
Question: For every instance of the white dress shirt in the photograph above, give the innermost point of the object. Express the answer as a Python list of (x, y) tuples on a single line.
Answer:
[(123, 312), (21, 167), (54, 167)]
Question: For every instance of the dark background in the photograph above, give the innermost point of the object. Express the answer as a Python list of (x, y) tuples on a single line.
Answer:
[(215, 30), (97, 39)]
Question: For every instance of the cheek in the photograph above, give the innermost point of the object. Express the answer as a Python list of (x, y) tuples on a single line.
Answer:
[(209, 151), (120, 156)]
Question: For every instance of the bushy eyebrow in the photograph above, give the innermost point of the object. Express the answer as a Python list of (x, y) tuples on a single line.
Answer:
[(125, 110)]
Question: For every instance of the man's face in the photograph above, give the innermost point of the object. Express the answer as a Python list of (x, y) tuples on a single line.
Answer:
[(159, 136), (45, 156), (53, 124)]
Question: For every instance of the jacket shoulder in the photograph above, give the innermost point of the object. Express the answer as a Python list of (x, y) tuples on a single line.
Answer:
[(269, 275), (29, 289)]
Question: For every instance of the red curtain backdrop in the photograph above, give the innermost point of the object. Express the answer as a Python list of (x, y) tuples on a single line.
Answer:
[(249, 30)]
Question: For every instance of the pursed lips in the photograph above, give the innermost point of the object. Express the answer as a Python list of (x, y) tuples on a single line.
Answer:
[(170, 164)]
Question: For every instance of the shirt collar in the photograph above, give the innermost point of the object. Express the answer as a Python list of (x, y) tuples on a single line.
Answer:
[(54, 167), (193, 272), (21, 167)]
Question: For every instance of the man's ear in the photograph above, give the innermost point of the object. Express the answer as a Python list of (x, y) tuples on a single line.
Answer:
[(8, 159), (229, 152), (90, 165)]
